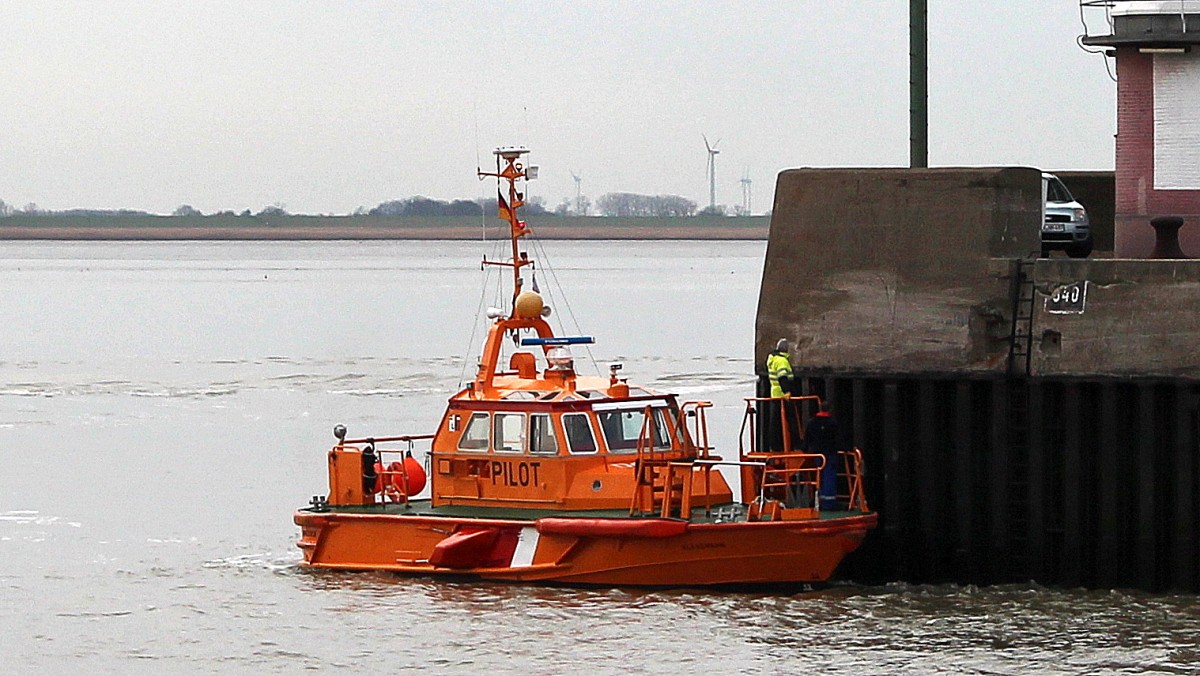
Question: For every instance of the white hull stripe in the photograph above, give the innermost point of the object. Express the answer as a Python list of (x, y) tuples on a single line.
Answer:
[(527, 543)]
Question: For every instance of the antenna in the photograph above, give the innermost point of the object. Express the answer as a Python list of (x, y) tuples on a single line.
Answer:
[(510, 169), (578, 194), (746, 191), (712, 172)]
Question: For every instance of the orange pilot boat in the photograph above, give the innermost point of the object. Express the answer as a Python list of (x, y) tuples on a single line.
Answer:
[(539, 474)]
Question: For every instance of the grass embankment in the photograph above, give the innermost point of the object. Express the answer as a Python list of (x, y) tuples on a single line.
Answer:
[(371, 227)]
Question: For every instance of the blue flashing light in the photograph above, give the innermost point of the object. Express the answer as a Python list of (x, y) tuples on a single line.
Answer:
[(559, 340)]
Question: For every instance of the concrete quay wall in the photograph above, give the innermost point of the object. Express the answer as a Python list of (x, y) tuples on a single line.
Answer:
[(1020, 418), (895, 270), (1134, 318), (913, 271)]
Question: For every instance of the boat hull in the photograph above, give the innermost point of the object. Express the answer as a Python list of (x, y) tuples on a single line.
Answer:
[(602, 551)]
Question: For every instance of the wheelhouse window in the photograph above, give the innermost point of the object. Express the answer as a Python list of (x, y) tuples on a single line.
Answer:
[(622, 427), (507, 432), (475, 437), (579, 433), (541, 434)]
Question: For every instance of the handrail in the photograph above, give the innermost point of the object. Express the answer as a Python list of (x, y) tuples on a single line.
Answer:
[(856, 497), (640, 468), (785, 402), (387, 490), (781, 473), (376, 440), (646, 434), (662, 470), (1181, 9), (731, 463), (851, 471), (803, 397), (695, 409), (707, 466)]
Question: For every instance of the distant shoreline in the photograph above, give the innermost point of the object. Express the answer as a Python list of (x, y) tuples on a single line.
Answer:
[(351, 233), (302, 228)]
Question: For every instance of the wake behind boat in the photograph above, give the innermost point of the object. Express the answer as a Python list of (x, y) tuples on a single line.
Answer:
[(541, 474)]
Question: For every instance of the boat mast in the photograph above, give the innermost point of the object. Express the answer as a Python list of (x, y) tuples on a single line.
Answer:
[(510, 169), (527, 311)]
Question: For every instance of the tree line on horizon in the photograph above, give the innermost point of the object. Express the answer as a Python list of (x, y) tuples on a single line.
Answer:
[(613, 204)]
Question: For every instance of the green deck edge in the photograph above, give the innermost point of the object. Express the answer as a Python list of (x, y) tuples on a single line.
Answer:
[(426, 508)]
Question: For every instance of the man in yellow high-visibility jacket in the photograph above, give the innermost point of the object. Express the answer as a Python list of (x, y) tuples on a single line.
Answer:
[(779, 371)]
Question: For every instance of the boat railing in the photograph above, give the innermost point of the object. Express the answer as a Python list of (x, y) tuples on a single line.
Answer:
[(790, 480), (782, 412), (379, 440), (785, 412), (786, 482), (712, 463), (664, 477), (852, 477), (695, 434), (652, 475), (386, 471)]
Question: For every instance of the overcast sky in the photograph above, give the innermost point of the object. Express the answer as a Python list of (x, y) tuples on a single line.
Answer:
[(326, 106)]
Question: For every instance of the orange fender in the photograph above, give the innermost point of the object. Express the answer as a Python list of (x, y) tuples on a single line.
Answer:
[(416, 476), (464, 549), (619, 528)]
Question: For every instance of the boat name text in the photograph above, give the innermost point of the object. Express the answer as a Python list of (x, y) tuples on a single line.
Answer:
[(510, 473)]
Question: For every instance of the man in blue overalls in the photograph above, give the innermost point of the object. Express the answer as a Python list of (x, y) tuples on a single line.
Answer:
[(821, 435)]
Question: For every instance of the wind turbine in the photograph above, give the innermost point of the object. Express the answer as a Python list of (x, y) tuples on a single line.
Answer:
[(712, 171), (578, 194), (746, 191)]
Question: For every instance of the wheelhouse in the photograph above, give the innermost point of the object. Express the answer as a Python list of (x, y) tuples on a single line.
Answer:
[(555, 448)]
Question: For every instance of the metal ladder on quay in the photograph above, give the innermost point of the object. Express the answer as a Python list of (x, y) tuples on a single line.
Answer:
[(1018, 416), (1023, 295)]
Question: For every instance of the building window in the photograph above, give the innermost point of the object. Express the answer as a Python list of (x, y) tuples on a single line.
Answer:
[(1176, 122)]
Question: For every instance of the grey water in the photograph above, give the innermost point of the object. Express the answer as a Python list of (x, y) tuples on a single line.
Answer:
[(164, 407)]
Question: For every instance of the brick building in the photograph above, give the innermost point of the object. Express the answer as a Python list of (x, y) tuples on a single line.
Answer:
[(1157, 48)]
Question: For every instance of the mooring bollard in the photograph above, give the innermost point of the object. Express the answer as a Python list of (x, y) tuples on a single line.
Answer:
[(1166, 237)]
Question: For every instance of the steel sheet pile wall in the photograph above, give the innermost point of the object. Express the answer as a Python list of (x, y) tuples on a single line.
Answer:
[(1096, 484), (1072, 460)]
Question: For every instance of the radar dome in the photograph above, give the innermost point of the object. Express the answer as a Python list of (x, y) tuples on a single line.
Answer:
[(529, 305)]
